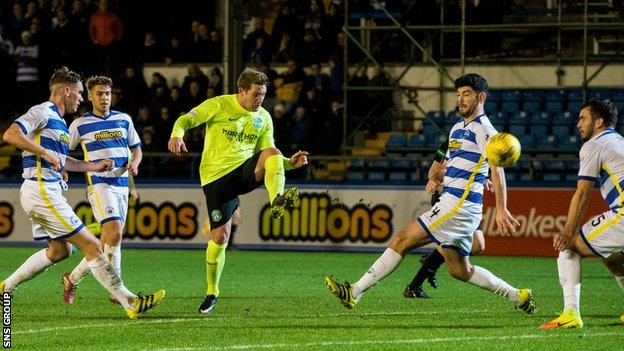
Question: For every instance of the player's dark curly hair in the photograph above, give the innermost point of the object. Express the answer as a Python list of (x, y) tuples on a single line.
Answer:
[(251, 76), (602, 108), (98, 80), (473, 80), (64, 75)]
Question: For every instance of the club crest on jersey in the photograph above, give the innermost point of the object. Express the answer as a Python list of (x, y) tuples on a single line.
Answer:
[(454, 145), (119, 124), (64, 138), (257, 122), (215, 215)]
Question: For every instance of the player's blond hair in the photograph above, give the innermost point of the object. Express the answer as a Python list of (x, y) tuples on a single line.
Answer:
[(98, 80), (251, 76), (64, 75)]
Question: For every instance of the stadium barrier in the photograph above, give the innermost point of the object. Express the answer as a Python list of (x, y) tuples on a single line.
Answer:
[(327, 218)]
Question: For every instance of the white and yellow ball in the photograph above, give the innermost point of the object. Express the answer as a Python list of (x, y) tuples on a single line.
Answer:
[(503, 150)]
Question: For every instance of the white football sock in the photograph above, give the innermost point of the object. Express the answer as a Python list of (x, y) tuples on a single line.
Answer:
[(105, 273), (620, 281), (569, 266), (35, 264), (113, 253), (488, 281), (79, 272), (384, 265)]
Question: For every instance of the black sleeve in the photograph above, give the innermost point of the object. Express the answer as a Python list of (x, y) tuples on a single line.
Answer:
[(441, 153)]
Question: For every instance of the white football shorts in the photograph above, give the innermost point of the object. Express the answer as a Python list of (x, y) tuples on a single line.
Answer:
[(109, 203), (604, 233)]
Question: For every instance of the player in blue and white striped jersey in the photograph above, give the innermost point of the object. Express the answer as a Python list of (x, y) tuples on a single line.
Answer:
[(602, 160), (43, 135), (105, 134), (453, 220)]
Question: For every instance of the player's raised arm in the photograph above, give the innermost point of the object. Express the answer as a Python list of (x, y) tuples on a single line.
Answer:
[(504, 220)]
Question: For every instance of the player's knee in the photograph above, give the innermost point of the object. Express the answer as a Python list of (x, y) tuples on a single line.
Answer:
[(58, 253), (271, 151), (458, 272)]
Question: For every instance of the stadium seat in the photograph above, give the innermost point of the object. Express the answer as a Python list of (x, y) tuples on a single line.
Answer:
[(490, 106), (519, 117), (510, 106), (571, 177), (436, 117), (547, 142), (526, 177), (431, 131), (517, 129), (453, 117), (417, 141), (497, 117), (566, 118), (570, 143), (357, 163), (398, 176), (600, 93), (552, 177), (378, 164), (527, 141), (353, 175), (396, 140), (561, 131), (574, 106), (556, 95), (377, 176), (539, 131), (499, 126), (400, 165), (553, 106), (540, 118)]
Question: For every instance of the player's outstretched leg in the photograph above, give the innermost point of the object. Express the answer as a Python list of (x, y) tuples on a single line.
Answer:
[(142, 304), (344, 292), (287, 200)]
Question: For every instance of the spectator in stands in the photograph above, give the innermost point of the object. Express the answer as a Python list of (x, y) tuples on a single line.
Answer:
[(27, 78), (176, 105), (215, 53), (158, 81), (194, 74), (330, 140), (134, 90), (300, 130), (314, 18), (79, 22), (288, 84), (281, 127), (287, 49), (335, 78), (359, 104), (332, 26), (194, 94), (250, 41), (319, 81), (215, 81), (165, 124), (174, 52), (7, 75), (106, 31), (269, 99), (286, 22), (311, 50), (200, 47), (144, 119), (261, 53), (194, 36), (18, 24), (63, 46), (152, 51)]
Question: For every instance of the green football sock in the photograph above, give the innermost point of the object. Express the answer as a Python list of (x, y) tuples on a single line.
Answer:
[(274, 176), (215, 259)]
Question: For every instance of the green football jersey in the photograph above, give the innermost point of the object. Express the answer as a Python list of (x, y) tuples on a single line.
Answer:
[(233, 134)]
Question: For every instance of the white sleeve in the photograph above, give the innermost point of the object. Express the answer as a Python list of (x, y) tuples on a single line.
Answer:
[(74, 135), (590, 161), (32, 120), (133, 136)]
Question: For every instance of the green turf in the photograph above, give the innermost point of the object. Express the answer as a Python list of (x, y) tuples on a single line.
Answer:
[(277, 300)]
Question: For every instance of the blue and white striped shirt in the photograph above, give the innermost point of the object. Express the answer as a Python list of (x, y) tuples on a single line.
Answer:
[(467, 169), (44, 125), (105, 137), (602, 159)]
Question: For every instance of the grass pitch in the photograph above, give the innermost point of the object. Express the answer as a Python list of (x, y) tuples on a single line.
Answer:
[(278, 301)]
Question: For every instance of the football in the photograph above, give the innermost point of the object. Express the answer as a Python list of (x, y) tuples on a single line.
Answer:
[(503, 150)]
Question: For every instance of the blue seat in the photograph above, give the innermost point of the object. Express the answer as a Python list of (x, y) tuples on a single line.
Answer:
[(539, 131), (517, 129), (572, 167), (357, 163), (553, 106), (527, 141), (402, 165), (552, 177), (431, 131), (526, 177), (556, 95), (354, 175), (499, 126), (600, 93), (561, 131), (532, 106), (511, 95), (379, 164), (498, 117), (453, 117), (575, 95), (541, 118), (376, 176), (564, 118), (574, 106), (571, 143), (510, 106), (397, 176), (554, 166), (417, 141), (490, 106), (519, 117), (396, 140), (436, 116), (570, 177), (547, 142)]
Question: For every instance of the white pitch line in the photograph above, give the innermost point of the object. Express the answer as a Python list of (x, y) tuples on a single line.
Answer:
[(543, 335), (206, 318)]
